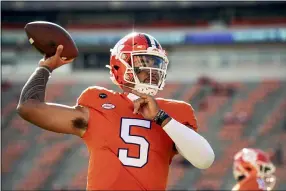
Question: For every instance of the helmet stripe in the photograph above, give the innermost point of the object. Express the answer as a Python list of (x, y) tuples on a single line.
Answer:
[(152, 41), (148, 40), (157, 44)]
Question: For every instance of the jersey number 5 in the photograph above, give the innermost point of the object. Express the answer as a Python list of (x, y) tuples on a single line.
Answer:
[(126, 124)]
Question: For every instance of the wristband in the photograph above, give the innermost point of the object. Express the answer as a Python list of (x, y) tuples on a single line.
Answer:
[(160, 117)]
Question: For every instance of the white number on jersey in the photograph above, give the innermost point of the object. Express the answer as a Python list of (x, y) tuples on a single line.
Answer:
[(126, 124)]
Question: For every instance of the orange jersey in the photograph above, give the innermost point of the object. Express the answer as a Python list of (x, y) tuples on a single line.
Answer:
[(128, 152), (250, 183)]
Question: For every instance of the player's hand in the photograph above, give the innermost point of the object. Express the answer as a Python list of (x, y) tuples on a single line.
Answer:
[(146, 105), (56, 60)]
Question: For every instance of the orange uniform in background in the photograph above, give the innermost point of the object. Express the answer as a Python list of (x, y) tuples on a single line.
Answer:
[(253, 170), (250, 183), (128, 152)]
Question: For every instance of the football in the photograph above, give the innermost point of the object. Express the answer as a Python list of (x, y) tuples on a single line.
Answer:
[(46, 36)]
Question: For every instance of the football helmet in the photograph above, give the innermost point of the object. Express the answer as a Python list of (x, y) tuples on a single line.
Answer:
[(133, 54), (254, 161)]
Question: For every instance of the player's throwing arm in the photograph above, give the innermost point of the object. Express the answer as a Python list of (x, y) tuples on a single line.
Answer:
[(33, 108)]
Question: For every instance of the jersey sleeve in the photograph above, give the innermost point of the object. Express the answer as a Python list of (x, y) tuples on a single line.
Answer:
[(89, 99), (179, 110), (189, 119), (86, 98), (83, 98)]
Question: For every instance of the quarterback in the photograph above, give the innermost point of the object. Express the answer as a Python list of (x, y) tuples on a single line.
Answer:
[(131, 136), (253, 170)]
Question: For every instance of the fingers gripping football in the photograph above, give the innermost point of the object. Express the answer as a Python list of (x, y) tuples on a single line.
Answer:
[(145, 105), (56, 60)]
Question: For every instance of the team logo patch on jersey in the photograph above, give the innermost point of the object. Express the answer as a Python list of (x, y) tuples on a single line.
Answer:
[(108, 106), (102, 95)]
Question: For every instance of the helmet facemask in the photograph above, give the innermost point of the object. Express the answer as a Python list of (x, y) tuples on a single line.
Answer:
[(151, 65), (266, 171)]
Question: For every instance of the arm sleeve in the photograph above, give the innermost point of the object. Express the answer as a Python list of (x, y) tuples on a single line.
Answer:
[(190, 144)]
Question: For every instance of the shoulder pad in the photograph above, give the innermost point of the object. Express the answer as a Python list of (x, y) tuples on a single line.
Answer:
[(94, 96)]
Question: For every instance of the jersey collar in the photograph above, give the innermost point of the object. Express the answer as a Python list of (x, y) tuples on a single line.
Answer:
[(132, 97)]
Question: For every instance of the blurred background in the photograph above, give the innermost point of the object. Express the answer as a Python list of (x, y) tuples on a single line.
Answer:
[(228, 59)]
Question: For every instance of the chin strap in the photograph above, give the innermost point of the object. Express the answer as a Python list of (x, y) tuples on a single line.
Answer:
[(145, 90)]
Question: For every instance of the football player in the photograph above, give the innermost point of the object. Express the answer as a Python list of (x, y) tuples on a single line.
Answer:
[(131, 136), (253, 170)]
